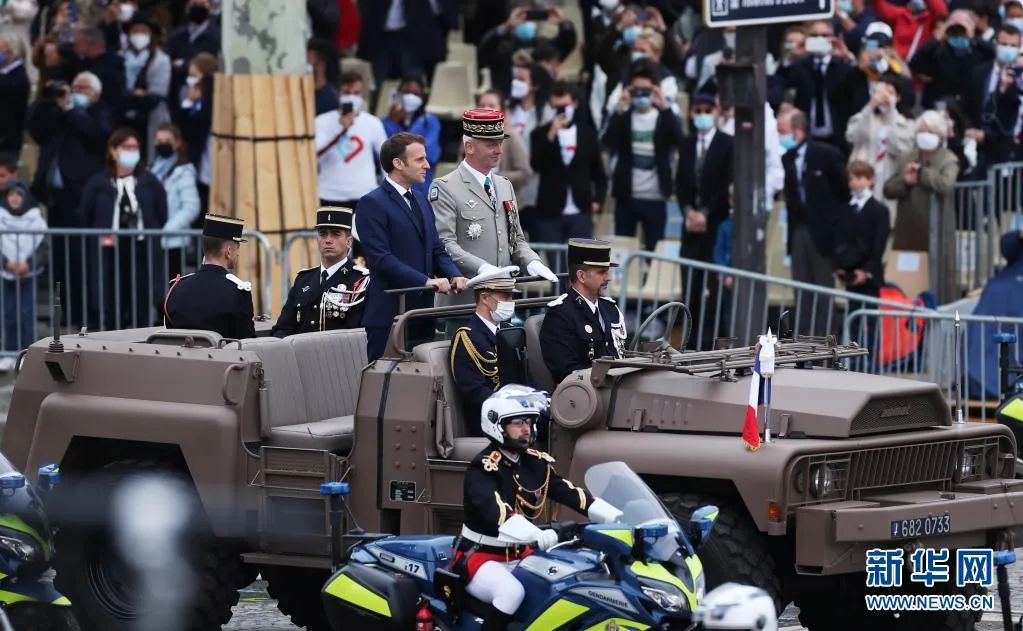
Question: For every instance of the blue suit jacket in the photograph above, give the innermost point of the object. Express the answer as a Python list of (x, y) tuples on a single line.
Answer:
[(398, 253)]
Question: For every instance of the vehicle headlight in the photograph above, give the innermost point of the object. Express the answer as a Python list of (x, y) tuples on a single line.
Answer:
[(667, 597), (700, 586), (970, 465), (827, 480), (18, 544)]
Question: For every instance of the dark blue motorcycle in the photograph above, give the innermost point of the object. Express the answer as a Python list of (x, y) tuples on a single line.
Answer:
[(639, 573)]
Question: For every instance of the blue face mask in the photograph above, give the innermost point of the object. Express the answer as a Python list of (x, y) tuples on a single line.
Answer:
[(79, 100), (871, 44), (787, 141), (846, 6), (642, 103), (525, 31), (1006, 55), (629, 35), (703, 122), (1001, 10), (128, 159), (959, 42), (1017, 22)]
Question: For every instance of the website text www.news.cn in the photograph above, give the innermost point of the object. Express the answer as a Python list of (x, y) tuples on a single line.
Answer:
[(929, 567)]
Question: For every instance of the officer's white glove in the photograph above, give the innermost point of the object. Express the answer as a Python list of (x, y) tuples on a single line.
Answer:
[(536, 268), (518, 529), (547, 539), (487, 268), (600, 512)]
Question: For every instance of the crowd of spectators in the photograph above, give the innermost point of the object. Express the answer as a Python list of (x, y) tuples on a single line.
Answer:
[(117, 97)]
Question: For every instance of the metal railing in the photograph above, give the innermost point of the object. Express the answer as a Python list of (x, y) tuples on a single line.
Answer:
[(109, 279)]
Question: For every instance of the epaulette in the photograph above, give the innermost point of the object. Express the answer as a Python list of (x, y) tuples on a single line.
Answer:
[(557, 301), (609, 299), (306, 269), (542, 455), (491, 461), (359, 268), (244, 285)]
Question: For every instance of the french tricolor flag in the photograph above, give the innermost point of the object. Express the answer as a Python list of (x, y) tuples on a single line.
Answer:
[(759, 390)]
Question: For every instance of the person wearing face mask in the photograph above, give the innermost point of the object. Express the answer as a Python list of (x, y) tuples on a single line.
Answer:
[(818, 80), (473, 354), (876, 63), (852, 17), (946, 65), (199, 34), (213, 298), (321, 61), (643, 135), (522, 31), (633, 38), (408, 113), (924, 175), (913, 22), (991, 104), (514, 163), (195, 118), (147, 74), (177, 175), (124, 197)]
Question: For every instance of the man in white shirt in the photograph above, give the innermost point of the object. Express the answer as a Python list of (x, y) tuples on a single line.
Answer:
[(348, 141), (477, 213)]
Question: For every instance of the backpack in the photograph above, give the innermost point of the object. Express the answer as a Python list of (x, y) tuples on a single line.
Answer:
[(901, 336)]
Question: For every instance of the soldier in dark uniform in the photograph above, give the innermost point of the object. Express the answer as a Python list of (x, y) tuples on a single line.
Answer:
[(330, 295), (508, 485), (583, 325), (473, 350), (213, 299)]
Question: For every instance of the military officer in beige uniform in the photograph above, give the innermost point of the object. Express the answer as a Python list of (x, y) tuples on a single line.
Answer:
[(477, 215)]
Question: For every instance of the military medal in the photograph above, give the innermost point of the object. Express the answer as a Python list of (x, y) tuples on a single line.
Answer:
[(474, 230)]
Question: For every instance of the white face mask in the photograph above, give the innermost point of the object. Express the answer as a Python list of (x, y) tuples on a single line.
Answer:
[(411, 102), (354, 99), (927, 141), (192, 80), (139, 41), (504, 311), (608, 5), (519, 89), (818, 45)]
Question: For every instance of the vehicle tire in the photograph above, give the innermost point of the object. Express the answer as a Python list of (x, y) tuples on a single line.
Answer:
[(40, 617), (103, 587), (736, 551), (297, 591)]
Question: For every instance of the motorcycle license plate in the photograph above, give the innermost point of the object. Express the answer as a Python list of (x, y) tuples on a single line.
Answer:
[(921, 527)]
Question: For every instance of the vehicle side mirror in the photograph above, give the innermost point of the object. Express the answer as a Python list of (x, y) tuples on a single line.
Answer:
[(701, 523), (11, 481), (49, 477)]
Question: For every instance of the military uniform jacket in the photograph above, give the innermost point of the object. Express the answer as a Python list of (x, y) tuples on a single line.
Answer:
[(473, 230), (571, 335), (306, 309), (211, 299), (496, 488), (474, 368)]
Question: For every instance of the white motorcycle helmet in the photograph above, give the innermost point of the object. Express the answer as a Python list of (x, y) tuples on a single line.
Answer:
[(735, 607), (508, 403)]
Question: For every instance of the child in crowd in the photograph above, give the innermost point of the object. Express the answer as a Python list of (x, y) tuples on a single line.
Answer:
[(19, 213)]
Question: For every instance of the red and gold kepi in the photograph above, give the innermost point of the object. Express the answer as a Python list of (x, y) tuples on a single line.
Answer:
[(223, 227), (483, 124), (334, 217)]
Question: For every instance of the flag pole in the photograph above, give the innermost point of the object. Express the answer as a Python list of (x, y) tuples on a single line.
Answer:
[(767, 343)]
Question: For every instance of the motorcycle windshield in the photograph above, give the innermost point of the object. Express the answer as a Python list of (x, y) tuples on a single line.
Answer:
[(618, 485)]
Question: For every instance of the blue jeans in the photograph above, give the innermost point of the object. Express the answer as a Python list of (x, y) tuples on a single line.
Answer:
[(19, 298)]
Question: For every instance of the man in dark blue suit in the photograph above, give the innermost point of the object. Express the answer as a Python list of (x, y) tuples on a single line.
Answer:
[(399, 238)]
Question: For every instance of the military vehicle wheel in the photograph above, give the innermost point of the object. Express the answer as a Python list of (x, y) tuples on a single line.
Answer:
[(91, 569), (736, 550), (40, 617), (297, 591)]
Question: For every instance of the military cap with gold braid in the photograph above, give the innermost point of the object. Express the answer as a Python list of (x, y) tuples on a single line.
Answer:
[(483, 124), (334, 217), (590, 252), (223, 227), (500, 279)]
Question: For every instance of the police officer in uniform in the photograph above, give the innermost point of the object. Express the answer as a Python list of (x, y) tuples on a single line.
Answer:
[(330, 295), (473, 354), (476, 211), (508, 485), (583, 325), (213, 299)]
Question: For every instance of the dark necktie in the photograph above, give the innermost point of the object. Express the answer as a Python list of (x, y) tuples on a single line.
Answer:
[(818, 95), (417, 215), (128, 216), (323, 279)]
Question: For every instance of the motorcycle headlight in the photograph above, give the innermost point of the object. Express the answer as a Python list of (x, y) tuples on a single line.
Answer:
[(19, 545), (700, 586), (667, 597)]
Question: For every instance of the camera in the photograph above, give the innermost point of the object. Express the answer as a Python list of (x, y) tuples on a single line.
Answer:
[(640, 92), (54, 90), (537, 15), (347, 108)]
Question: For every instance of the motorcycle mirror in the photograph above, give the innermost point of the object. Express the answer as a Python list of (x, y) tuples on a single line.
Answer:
[(12, 480), (701, 523), (652, 532), (49, 477)]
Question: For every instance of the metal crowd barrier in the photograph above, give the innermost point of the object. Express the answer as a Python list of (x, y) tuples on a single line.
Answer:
[(109, 279)]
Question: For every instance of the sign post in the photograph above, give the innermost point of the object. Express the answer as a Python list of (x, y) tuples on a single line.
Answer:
[(742, 84)]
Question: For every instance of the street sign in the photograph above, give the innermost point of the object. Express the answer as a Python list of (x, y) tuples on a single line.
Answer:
[(718, 13)]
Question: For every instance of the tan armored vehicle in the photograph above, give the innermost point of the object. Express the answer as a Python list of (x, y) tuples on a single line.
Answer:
[(254, 426)]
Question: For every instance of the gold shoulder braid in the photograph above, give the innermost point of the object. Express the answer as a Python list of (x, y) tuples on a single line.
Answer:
[(484, 364), (529, 510)]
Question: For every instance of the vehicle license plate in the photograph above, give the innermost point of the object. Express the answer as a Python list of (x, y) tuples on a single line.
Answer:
[(921, 527)]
